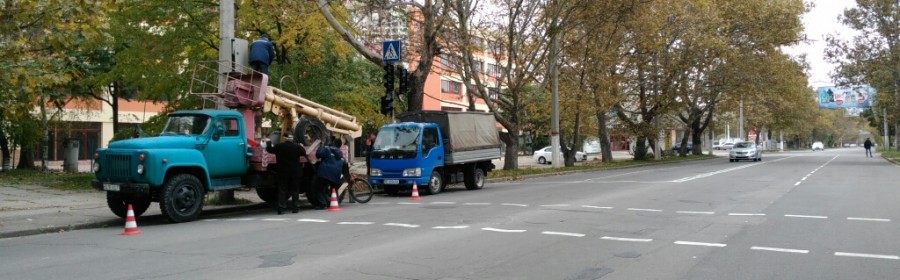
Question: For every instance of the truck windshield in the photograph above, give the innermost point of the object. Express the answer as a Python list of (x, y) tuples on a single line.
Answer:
[(186, 125), (396, 142)]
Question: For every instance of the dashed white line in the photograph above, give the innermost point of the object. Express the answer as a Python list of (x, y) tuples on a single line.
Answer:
[(868, 219), (700, 244), (626, 239), (858, 255), (783, 250), (210, 220), (645, 210), (409, 203), (746, 214), (503, 230), (555, 205), (476, 203), (241, 219), (696, 212), (596, 207), (450, 227), (355, 223), (514, 204), (808, 217), (401, 225), (443, 202), (274, 219), (704, 175), (563, 233), (797, 183), (312, 220)]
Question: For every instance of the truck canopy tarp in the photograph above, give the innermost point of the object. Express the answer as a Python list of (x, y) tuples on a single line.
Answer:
[(466, 131)]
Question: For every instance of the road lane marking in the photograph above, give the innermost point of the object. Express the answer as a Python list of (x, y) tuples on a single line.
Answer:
[(476, 203), (409, 203), (555, 205), (797, 183), (626, 239), (890, 257), (401, 225), (312, 220), (503, 230), (746, 214), (808, 217), (514, 204), (563, 233), (645, 210), (355, 223), (378, 203), (696, 212), (450, 227), (704, 175), (596, 207), (700, 244), (868, 219), (443, 202), (784, 250), (275, 219), (241, 219), (210, 220)]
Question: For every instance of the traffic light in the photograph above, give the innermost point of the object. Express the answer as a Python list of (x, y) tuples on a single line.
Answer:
[(404, 81), (387, 105), (389, 79)]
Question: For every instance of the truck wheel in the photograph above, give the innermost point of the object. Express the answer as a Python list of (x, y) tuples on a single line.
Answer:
[(269, 195), (182, 198), (435, 183), (391, 190), (474, 179), (309, 130), (118, 203)]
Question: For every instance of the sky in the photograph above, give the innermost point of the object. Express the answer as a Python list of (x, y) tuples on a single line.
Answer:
[(820, 21)]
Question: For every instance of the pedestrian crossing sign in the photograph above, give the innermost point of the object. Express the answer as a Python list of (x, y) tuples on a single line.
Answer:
[(390, 51)]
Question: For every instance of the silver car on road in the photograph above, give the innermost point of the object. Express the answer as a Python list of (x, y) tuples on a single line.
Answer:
[(745, 150)]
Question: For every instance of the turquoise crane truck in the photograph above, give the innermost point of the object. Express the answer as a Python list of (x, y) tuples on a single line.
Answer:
[(201, 151), (433, 149)]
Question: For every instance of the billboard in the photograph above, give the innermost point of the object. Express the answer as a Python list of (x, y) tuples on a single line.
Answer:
[(845, 97)]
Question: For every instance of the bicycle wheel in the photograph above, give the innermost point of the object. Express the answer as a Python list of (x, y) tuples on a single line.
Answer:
[(361, 191)]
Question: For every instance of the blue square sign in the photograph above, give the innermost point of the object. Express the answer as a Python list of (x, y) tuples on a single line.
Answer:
[(390, 51)]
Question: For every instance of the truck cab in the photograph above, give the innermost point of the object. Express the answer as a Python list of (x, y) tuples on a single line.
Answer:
[(197, 152), (407, 153)]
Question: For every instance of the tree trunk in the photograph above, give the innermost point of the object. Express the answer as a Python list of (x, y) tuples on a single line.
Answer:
[(603, 134), (4, 149), (511, 158), (640, 148), (26, 158), (45, 138)]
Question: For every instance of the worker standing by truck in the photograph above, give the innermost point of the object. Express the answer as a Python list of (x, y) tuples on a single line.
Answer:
[(329, 169), (289, 171)]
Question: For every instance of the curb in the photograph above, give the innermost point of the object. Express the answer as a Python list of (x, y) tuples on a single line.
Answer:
[(152, 219), (532, 176)]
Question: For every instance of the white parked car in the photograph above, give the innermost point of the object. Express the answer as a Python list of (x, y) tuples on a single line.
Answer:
[(818, 146), (544, 156)]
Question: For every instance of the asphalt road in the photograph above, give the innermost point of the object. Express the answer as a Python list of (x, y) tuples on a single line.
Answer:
[(804, 215)]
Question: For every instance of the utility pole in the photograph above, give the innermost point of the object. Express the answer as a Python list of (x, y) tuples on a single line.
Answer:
[(226, 36), (741, 123), (554, 132)]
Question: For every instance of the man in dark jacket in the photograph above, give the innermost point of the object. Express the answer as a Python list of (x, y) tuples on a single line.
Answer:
[(329, 170), (262, 51), (868, 146), (289, 172)]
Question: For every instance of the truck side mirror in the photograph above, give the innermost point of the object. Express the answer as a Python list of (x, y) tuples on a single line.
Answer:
[(218, 132)]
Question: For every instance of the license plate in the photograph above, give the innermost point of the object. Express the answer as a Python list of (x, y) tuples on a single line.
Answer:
[(391, 182), (111, 187)]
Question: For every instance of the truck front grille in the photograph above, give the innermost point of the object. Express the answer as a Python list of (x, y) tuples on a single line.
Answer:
[(118, 165)]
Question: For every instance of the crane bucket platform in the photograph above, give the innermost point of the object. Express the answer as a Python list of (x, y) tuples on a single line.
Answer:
[(245, 88)]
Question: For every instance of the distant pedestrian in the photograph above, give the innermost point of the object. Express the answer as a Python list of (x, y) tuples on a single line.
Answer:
[(369, 142), (345, 150), (262, 51), (868, 146), (289, 172)]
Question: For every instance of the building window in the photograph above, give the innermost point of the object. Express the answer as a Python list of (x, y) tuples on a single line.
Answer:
[(494, 70), (494, 93), (451, 87)]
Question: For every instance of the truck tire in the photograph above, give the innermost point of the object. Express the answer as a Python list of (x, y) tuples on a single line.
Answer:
[(118, 203), (474, 178), (309, 130), (181, 199), (269, 195), (435, 183)]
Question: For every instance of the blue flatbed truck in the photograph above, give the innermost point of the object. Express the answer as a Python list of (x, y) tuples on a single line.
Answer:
[(433, 149)]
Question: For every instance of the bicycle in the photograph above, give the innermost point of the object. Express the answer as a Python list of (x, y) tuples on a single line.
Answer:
[(360, 191)]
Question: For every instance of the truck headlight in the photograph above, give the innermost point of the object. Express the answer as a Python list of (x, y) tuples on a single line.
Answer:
[(140, 168), (96, 167), (412, 172), (375, 171)]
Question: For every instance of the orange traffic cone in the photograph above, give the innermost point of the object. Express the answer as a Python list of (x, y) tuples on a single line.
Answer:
[(334, 207), (415, 194), (130, 223)]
